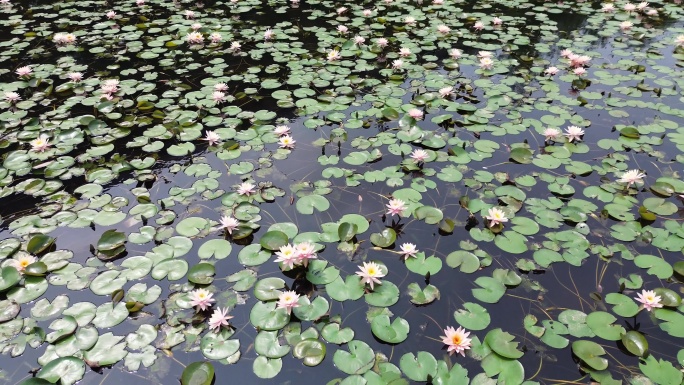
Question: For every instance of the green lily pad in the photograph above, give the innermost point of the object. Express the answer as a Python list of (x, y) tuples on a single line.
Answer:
[(472, 316), (66, 370), (311, 351), (590, 353), (198, 373), (358, 360), (502, 343), (273, 240), (635, 343), (202, 273), (393, 333)]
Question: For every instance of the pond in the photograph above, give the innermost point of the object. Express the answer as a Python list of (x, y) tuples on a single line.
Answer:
[(391, 192)]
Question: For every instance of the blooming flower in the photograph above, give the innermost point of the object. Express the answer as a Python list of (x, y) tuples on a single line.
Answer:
[(574, 133), (341, 10), (641, 6), (679, 41), (632, 176), (397, 64), (629, 7), (404, 52), (218, 97), (288, 300), (552, 133), (370, 273), (342, 29), (12, 97), (497, 21), (220, 87), (111, 15), (189, 14), (140, 3), (649, 299), (551, 71), (410, 20), (268, 34), (455, 53), (281, 130), (359, 40), (194, 38), (382, 42), (443, 29), (201, 298), (566, 53), (626, 25), (437, 2), (408, 250), (419, 155), (196, 26), (20, 262), (481, 54), (215, 37), (486, 63), (212, 137), (416, 113), (305, 251), (496, 216), (40, 144), (235, 45), (246, 188), (334, 55), (579, 71), (109, 87), (75, 76), (367, 12), (219, 318), (652, 12), (24, 71), (64, 38), (445, 92), (457, 340), (607, 7), (478, 26), (288, 256), (395, 207), (229, 223), (286, 141)]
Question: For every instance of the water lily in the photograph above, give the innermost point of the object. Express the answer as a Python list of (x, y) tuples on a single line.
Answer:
[(40, 144), (456, 340), (229, 223), (437, 2), (408, 250), (305, 252), (579, 71), (641, 6), (415, 113), (12, 97), (359, 40), (410, 20), (395, 207), (218, 97), (220, 87), (649, 299), (111, 15), (626, 25), (286, 141), (268, 34), (334, 55), (455, 53), (679, 41), (288, 300), (20, 262), (196, 26), (551, 71), (497, 21), (281, 130), (24, 71), (552, 134), (496, 216), (419, 155), (574, 133), (367, 12), (566, 53), (443, 29), (75, 76), (607, 7), (189, 14), (382, 42), (246, 188), (342, 29), (201, 298), (341, 10), (215, 37), (486, 63), (370, 273), (218, 319), (404, 52), (629, 7), (212, 137), (446, 92), (140, 3), (397, 64), (632, 176), (194, 38), (478, 26), (483, 54), (288, 256), (235, 45)]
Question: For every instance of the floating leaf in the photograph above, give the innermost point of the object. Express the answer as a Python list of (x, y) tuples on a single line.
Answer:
[(198, 373)]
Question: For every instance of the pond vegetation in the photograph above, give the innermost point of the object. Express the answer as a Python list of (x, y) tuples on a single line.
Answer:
[(391, 192)]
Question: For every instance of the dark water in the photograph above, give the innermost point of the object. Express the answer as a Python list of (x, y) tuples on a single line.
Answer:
[(564, 286)]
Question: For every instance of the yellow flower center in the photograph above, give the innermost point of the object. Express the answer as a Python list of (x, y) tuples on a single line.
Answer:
[(650, 298), (456, 339), (372, 271), (24, 262)]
